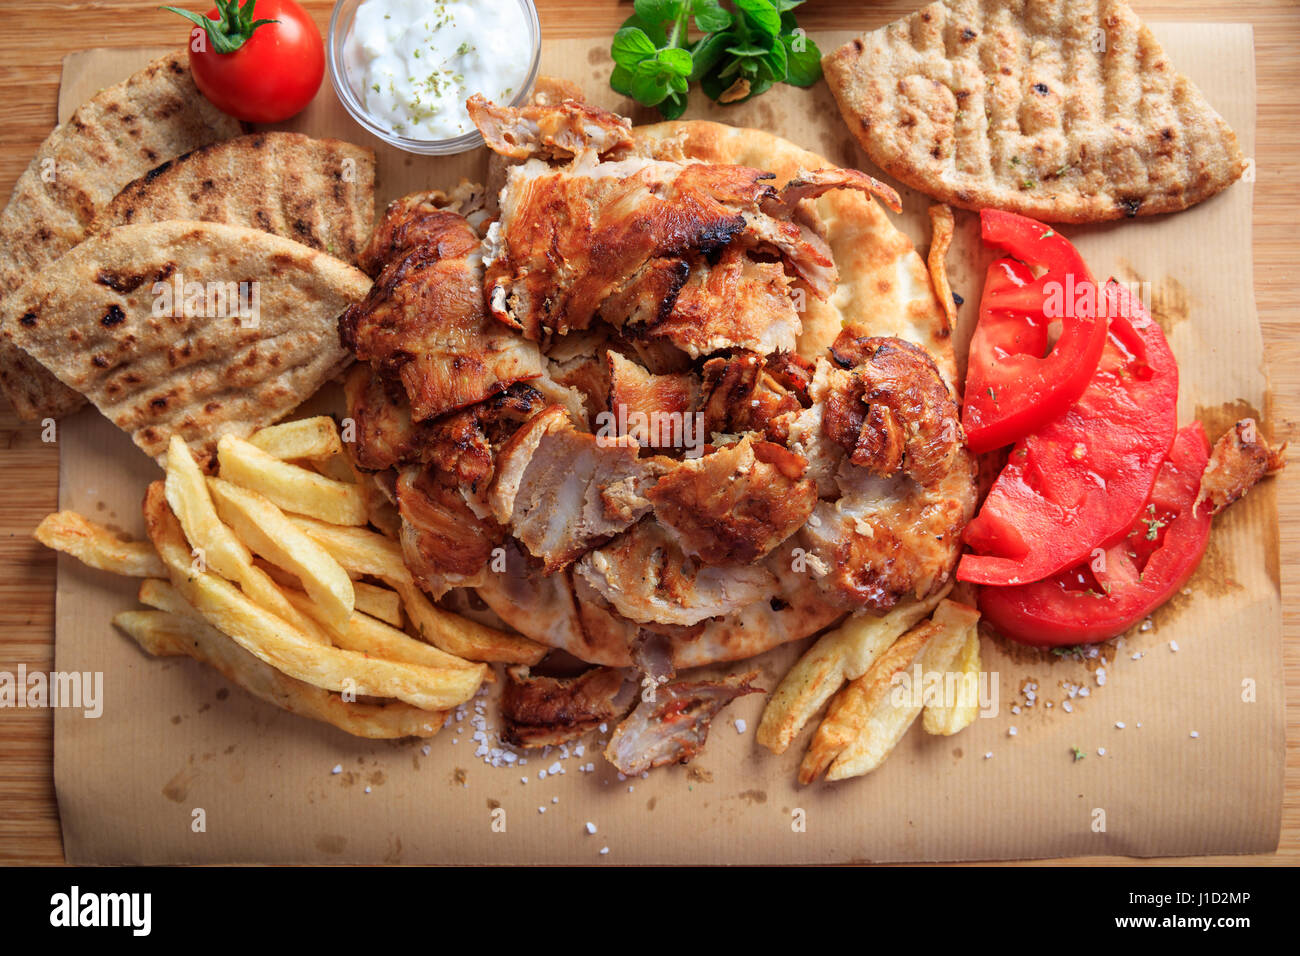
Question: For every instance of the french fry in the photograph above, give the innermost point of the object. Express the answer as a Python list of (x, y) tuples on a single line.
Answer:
[(313, 439), (378, 602), (216, 546), (94, 545), (950, 717), (278, 643), (165, 634), (865, 722), (293, 488), (839, 655), (265, 529), (942, 226), (364, 552), (368, 635)]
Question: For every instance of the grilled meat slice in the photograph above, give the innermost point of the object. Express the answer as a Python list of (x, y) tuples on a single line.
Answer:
[(561, 491), (414, 221), (735, 302), (889, 407), (655, 410), (385, 435), (444, 543), (905, 479), (736, 504), (646, 577), (1241, 457), (746, 392), (569, 238), (674, 726), (549, 711), (551, 131), (424, 324)]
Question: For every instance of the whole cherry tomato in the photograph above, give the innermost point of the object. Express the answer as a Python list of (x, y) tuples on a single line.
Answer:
[(262, 62)]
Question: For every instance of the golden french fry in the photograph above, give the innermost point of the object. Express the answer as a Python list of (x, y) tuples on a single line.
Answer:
[(293, 488), (94, 545), (159, 593), (378, 602), (463, 637), (278, 643), (164, 634), (371, 636), (364, 552), (951, 716), (942, 226), (866, 720), (215, 545), (265, 529), (839, 655), (337, 468), (305, 438)]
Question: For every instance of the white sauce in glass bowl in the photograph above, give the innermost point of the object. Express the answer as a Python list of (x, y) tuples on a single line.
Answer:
[(414, 63)]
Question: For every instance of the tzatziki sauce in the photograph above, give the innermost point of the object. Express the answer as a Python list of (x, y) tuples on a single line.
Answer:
[(414, 63)]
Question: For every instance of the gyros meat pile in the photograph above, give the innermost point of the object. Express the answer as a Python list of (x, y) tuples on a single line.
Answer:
[(592, 397)]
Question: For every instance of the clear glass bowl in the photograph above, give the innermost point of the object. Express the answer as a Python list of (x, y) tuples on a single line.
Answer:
[(341, 25)]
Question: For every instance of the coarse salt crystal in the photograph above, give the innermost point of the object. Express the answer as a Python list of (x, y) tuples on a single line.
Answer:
[(1011, 731), (1119, 724), (1067, 707), (1173, 645), (1195, 734), (338, 768), (591, 827)]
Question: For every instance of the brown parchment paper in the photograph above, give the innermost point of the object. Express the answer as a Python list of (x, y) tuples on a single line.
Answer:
[(175, 739)]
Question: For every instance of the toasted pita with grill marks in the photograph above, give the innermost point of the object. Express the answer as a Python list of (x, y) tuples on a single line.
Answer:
[(1021, 106), (320, 192), (119, 134), (98, 320)]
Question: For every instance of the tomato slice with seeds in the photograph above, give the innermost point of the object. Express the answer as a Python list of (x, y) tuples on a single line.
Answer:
[(1104, 596), (1080, 480), (1014, 384)]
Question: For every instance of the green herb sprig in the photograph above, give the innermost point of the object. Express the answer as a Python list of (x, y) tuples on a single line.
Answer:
[(740, 53)]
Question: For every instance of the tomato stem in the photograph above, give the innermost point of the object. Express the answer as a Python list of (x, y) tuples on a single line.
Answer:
[(233, 29)]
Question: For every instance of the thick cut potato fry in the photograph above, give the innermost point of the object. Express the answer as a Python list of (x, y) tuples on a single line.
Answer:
[(306, 438), (839, 655), (864, 722), (165, 635), (364, 552), (215, 545), (367, 635), (292, 488), (953, 716), (286, 648), (378, 602), (265, 529), (94, 545)]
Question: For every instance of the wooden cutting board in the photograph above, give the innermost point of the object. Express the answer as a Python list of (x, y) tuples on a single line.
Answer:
[(30, 64)]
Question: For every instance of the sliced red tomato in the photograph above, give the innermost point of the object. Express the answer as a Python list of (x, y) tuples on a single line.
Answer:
[(1014, 384), (1080, 480), (1106, 595)]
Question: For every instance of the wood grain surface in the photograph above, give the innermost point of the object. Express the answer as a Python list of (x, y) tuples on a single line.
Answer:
[(41, 32)]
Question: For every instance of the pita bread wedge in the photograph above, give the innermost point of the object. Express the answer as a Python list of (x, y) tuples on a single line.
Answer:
[(121, 133), (1064, 110), (190, 328), (320, 192)]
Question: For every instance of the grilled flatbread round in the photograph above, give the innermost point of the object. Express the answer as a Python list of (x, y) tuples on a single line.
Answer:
[(188, 328), (1063, 110), (320, 192), (883, 285), (119, 134)]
